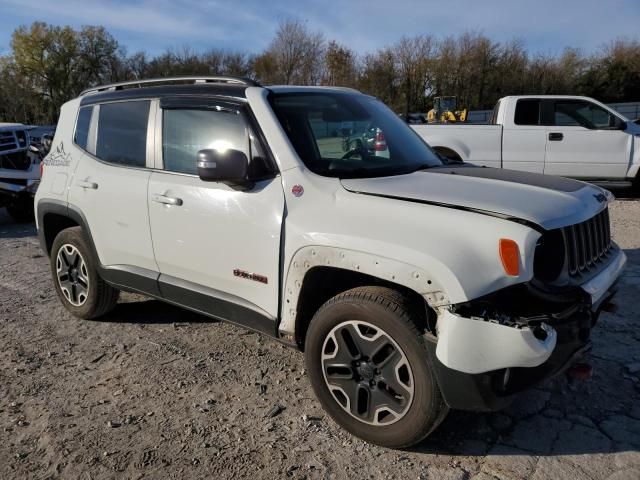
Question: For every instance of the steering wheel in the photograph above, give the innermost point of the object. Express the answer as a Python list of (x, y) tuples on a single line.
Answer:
[(359, 150)]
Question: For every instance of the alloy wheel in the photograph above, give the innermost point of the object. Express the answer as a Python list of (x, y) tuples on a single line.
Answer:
[(72, 274), (367, 373)]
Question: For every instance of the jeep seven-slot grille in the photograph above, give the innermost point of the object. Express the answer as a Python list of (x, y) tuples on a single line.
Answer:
[(587, 243)]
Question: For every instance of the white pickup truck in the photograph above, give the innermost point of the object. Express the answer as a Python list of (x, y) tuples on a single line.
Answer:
[(570, 136), (19, 171)]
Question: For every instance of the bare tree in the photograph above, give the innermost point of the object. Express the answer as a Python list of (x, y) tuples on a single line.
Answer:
[(380, 77), (294, 56), (414, 57), (340, 65)]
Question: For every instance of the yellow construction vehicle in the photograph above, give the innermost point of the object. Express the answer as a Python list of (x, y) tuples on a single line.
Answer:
[(444, 111)]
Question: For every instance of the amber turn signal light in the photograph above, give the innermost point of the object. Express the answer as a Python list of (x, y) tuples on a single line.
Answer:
[(510, 256)]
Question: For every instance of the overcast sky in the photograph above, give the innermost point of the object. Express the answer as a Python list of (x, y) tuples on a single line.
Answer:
[(546, 26)]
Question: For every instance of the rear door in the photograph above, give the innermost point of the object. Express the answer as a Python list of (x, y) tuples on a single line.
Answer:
[(524, 139), (583, 141), (110, 183), (217, 247)]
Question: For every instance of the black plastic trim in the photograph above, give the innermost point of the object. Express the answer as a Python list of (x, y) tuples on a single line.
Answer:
[(216, 304), (50, 206), (131, 279)]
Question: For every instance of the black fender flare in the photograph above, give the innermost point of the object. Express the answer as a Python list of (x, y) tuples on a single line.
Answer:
[(63, 209)]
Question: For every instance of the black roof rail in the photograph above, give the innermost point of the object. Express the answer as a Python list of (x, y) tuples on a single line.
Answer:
[(229, 80)]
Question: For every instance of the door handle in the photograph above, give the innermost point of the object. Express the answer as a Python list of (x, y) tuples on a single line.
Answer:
[(556, 136), (167, 200), (89, 185)]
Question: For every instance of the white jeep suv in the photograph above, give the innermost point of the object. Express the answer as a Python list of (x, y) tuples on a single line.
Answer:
[(412, 286)]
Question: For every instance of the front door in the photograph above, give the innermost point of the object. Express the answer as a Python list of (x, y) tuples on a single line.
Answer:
[(584, 141), (217, 246)]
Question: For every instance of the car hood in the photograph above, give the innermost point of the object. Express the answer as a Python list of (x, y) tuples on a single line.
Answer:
[(547, 201)]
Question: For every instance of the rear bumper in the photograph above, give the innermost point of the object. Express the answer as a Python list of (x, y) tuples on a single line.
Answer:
[(15, 182), (10, 191), (481, 364)]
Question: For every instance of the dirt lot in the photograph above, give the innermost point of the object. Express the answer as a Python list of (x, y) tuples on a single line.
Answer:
[(156, 392)]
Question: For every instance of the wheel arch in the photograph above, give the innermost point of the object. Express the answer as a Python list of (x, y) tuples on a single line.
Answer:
[(318, 273), (449, 153), (54, 216)]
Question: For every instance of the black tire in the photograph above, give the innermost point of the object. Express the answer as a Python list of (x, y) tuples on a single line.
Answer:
[(635, 186), (21, 210), (391, 312), (100, 297)]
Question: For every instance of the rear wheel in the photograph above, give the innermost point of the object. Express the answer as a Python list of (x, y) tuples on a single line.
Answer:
[(76, 277), (367, 363)]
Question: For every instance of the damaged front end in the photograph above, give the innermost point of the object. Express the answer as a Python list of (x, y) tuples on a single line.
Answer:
[(486, 350)]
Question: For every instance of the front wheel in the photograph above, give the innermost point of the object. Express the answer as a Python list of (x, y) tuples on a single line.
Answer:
[(367, 363)]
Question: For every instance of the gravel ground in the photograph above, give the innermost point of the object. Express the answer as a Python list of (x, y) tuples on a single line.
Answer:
[(156, 392)]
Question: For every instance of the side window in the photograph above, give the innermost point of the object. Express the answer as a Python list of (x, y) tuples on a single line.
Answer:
[(527, 112), (185, 132), (122, 133), (578, 113), (81, 136)]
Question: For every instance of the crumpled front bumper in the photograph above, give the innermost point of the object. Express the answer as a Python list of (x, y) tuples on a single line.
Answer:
[(481, 363), (472, 345)]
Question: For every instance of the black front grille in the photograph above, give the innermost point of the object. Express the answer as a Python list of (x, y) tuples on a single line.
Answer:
[(587, 243)]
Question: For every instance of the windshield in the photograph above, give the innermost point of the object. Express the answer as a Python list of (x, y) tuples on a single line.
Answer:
[(350, 136)]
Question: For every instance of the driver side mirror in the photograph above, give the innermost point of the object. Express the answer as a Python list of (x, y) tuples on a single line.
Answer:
[(228, 166)]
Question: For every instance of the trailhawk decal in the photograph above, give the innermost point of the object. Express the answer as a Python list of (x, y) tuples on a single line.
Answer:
[(58, 157), (250, 276)]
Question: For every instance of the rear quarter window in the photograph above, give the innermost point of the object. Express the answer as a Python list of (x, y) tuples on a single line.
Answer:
[(81, 136), (122, 133)]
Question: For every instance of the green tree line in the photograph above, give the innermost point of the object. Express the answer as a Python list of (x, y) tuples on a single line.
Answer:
[(49, 64)]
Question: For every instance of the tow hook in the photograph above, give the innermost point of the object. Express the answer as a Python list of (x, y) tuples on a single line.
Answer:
[(580, 371)]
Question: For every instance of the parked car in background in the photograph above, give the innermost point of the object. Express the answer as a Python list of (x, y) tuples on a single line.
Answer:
[(371, 140), (411, 286), (19, 171), (570, 136)]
